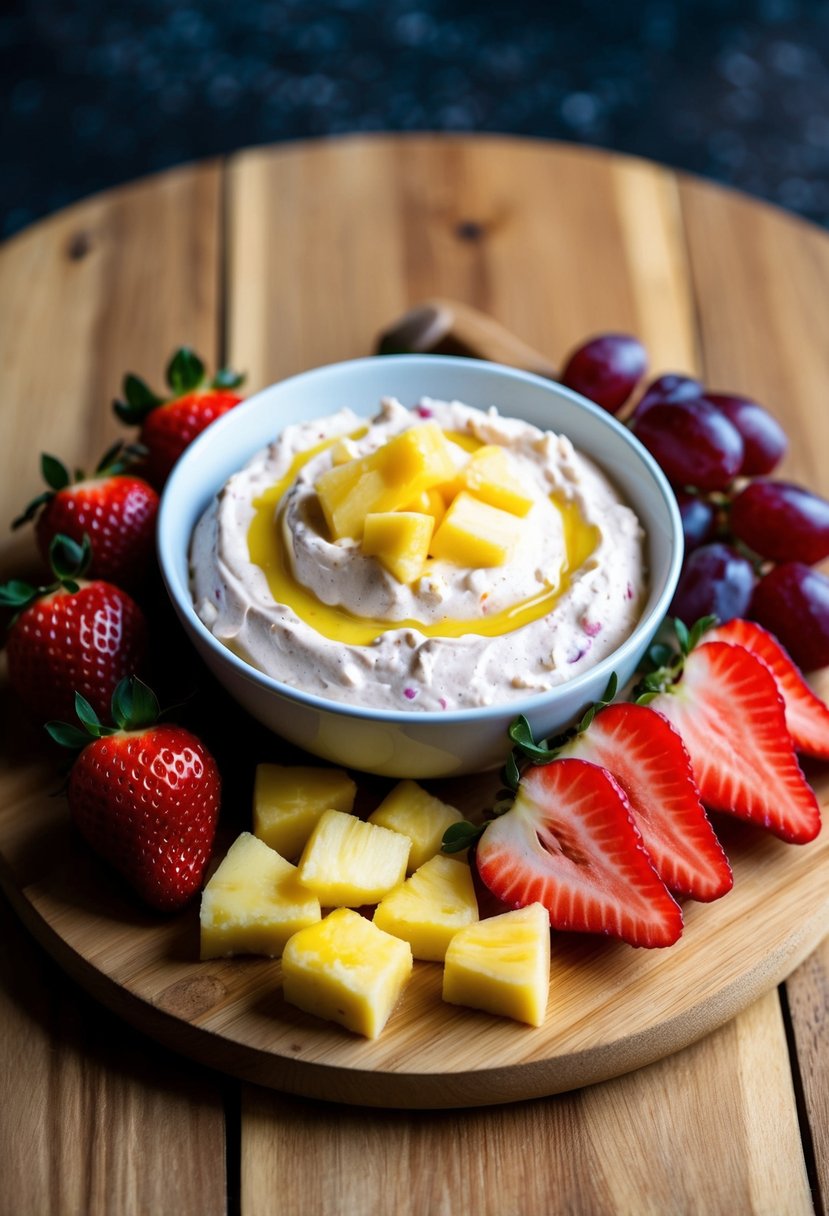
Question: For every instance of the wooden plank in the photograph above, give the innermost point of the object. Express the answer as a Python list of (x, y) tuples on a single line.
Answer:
[(808, 997), (330, 242), (93, 1119), (705, 1131)]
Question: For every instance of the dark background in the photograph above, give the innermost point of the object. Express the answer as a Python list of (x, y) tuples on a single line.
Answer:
[(97, 94)]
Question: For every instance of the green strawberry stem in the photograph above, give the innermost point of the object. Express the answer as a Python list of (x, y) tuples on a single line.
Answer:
[(667, 663), (134, 706), (520, 732), (69, 562), (185, 373), (117, 459)]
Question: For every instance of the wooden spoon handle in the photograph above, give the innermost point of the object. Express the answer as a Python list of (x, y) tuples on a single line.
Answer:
[(450, 328)]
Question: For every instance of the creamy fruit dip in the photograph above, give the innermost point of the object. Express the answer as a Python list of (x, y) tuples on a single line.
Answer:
[(271, 584)]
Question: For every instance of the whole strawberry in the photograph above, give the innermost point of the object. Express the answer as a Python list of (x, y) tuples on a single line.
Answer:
[(73, 635), (116, 509), (144, 795), (169, 424)]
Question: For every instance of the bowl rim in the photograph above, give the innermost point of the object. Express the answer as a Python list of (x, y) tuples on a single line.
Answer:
[(182, 600)]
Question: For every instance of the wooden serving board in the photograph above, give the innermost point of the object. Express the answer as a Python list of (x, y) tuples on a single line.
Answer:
[(558, 249), (612, 1008)]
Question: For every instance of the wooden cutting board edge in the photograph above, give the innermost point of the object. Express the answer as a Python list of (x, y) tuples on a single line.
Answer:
[(424, 1091)]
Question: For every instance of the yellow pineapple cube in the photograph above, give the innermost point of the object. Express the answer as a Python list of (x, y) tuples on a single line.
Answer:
[(289, 799), (475, 534), (412, 810), (428, 502), (253, 903), (348, 863), (489, 476), (346, 970), (385, 480), (430, 907), (502, 965), (343, 451), (400, 542)]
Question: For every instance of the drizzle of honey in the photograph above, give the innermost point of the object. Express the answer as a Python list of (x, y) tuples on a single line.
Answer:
[(267, 550)]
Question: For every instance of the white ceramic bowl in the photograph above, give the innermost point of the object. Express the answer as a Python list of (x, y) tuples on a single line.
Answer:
[(414, 744)]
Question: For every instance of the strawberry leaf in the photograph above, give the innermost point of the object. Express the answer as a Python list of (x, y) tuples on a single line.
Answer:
[(70, 560), (226, 377), (67, 735), (55, 472), (520, 732), (682, 635), (33, 508), (140, 400), (511, 773), (660, 655), (699, 628), (16, 593), (87, 716), (138, 393), (134, 704), (185, 371), (109, 461), (459, 836)]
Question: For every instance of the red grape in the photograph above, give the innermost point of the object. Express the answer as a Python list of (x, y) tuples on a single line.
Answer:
[(606, 369), (716, 581), (694, 443), (699, 520), (764, 439), (781, 522), (792, 602), (667, 390)]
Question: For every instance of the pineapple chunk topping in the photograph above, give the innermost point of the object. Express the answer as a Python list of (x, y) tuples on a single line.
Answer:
[(475, 534), (489, 477), (348, 863), (253, 903), (289, 799), (430, 907), (428, 502), (346, 970), (408, 499), (400, 541), (412, 810), (385, 480), (502, 965)]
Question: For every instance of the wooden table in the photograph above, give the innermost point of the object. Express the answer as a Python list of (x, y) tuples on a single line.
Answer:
[(277, 260)]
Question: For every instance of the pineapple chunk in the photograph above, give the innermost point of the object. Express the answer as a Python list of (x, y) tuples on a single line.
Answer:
[(348, 863), (346, 970), (400, 541), (488, 476), (385, 480), (475, 534), (430, 907), (428, 502), (253, 903), (343, 451), (502, 965), (410, 809), (288, 800)]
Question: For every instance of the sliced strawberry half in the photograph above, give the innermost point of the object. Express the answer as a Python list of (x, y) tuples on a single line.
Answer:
[(807, 717), (570, 843), (730, 715), (648, 759)]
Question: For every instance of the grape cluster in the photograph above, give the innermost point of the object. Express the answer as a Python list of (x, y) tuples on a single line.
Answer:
[(751, 542)]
